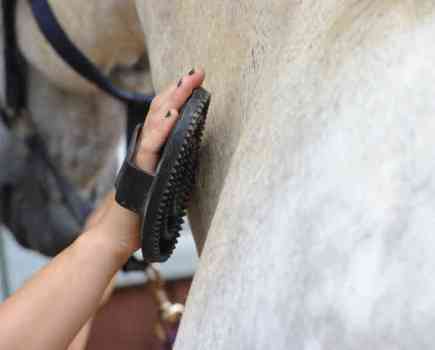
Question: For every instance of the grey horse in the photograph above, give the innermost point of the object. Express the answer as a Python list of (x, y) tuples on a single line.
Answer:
[(314, 212)]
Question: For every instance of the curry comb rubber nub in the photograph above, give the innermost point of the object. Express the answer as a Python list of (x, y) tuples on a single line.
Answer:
[(161, 200)]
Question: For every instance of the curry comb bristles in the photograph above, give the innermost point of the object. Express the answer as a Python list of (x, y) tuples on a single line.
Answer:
[(175, 180)]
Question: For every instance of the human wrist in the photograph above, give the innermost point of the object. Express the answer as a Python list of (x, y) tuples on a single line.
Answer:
[(105, 246), (120, 226)]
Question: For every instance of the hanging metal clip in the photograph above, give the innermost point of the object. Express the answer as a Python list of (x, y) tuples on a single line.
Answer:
[(169, 313)]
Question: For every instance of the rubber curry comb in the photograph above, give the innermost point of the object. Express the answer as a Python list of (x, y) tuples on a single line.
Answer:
[(161, 200)]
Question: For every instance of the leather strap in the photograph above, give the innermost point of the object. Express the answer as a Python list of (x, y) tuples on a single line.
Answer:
[(65, 48), (15, 69), (132, 184)]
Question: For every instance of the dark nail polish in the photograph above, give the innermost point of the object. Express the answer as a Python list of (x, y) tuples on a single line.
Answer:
[(168, 115), (180, 82), (192, 72)]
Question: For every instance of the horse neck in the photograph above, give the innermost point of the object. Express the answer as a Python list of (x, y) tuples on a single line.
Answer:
[(107, 30), (263, 60), (96, 119)]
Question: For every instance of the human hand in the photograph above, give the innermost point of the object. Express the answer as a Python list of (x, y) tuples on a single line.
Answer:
[(117, 225)]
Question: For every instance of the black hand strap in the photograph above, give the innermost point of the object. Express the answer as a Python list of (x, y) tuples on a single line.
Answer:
[(65, 48), (132, 183)]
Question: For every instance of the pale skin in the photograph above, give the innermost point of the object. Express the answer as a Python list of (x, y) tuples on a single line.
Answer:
[(54, 309)]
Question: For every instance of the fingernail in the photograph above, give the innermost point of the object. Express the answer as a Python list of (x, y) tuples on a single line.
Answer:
[(180, 82), (168, 115), (192, 72)]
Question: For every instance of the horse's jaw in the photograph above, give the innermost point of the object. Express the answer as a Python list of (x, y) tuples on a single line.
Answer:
[(108, 33), (82, 126)]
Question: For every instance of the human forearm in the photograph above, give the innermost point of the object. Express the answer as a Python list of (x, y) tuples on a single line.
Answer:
[(61, 298), (81, 340)]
